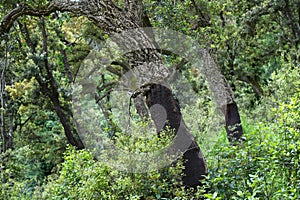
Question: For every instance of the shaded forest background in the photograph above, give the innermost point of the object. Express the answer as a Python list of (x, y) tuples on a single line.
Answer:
[(256, 47)]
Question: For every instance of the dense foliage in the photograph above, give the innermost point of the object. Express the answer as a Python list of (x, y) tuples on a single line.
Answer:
[(256, 44)]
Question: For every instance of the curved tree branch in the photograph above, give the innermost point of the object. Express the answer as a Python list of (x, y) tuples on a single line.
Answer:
[(103, 13), (254, 84), (24, 9)]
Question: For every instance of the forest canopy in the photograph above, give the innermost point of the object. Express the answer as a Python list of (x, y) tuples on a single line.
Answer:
[(233, 122)]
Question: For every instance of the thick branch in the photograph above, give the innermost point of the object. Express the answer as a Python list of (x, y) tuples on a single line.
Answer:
[(254, 84), (292, 21), (262, 9), (103, 13), (134, 8), (113, 71), (21, 10), (204, 19), (28, 40), (64, 55), (122, 64)]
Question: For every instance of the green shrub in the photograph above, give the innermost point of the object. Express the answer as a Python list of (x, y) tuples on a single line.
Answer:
[(82, 177), (266, 165)]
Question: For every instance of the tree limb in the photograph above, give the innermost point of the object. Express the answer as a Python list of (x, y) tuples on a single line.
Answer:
[(24, 9), (113, 71), (122, 64), (254, 84), (103, 13), (134, 8)]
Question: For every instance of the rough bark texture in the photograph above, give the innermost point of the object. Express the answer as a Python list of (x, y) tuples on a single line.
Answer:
[(161, 97), (224, 97), (141, 107)]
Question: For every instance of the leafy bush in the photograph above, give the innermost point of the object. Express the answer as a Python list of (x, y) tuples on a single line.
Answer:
[(83, 177), (266, 165)]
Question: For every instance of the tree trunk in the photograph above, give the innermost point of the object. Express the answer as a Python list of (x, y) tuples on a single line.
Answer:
[(219, 85), (50, 88), (3, 133), (160, 97), (233, 122), (2, 106), (224, 98)]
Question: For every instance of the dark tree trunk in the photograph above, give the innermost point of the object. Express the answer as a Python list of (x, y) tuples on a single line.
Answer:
[(160, 97), (229, 107), (224, 98), (233, 122)]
